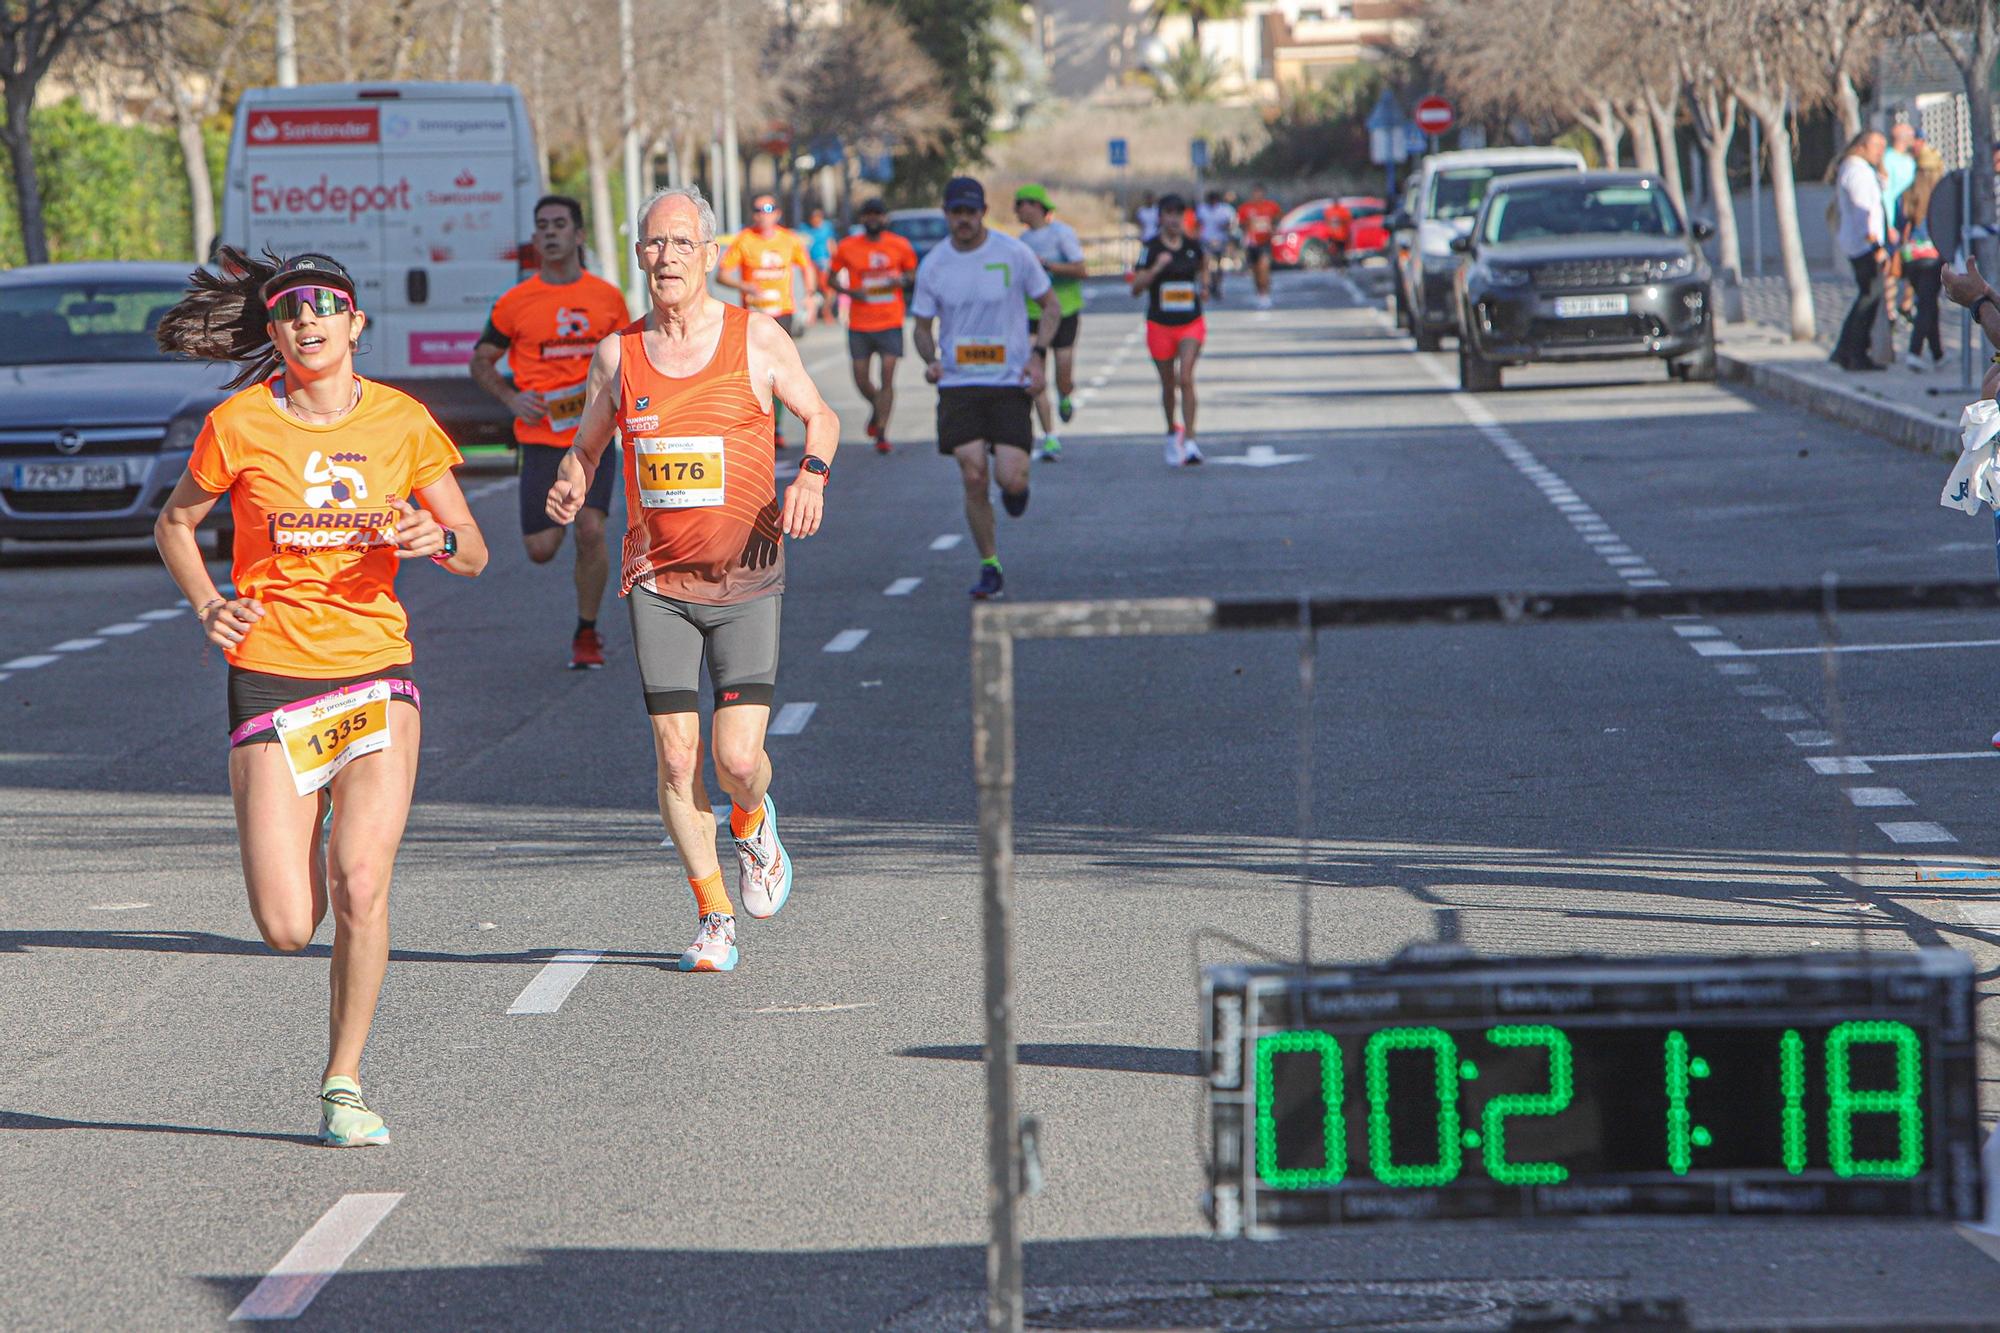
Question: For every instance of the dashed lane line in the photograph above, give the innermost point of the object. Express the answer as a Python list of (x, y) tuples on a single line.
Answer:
[(846, 641), (552, 985), (77, 645), (902, 587), (164, 613), (310, 1264), (1914, 831), (30, 662), (1875, 798), (1731, 650), (792, 719), (124, 627), (948, 541)]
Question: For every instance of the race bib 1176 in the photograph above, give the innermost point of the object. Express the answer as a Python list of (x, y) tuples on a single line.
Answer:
[(679, 472)]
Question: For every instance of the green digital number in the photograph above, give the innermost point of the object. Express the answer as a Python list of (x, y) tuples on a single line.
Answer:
[(1375, 1064), (1333, 1126), (1680, 1149), (1845, 1101), (1493, 1120), (1792, 1087)]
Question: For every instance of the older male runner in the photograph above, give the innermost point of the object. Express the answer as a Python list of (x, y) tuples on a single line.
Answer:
[(691, 389), (759, 264), (987, 372)]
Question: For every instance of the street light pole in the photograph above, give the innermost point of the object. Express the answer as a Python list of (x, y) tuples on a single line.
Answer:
[(634, 187)]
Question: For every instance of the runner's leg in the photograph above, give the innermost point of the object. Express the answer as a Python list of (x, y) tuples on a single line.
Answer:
[(542, 546), (742, 767), (1045, 408), (684, 804), (973, 471), (1169, 376), (1184, 359), (1010, 469), (1066, 371), (885, 397), (278, 832), (868, 392)]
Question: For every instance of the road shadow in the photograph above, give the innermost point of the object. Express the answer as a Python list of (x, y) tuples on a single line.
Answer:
[(1078, 1055), (20, 1120), (211, 943)]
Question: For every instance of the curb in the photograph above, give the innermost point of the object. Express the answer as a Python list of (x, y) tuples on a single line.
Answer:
[(1899, 425)]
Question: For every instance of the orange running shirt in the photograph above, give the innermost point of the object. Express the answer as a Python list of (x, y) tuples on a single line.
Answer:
[(311, 504), (876, 270), (1259, 218), (766, 263), (549, 331), (701, 485)]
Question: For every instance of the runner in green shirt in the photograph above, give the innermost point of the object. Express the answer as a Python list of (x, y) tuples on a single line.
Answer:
[(1056, 245)]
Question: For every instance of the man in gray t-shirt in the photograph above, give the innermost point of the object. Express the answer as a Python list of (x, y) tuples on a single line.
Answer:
[(982, 359)]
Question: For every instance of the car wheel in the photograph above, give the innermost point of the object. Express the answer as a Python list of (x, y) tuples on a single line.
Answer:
[(1475, 373), (1697, 368), (1313, 255), (1427, 341)]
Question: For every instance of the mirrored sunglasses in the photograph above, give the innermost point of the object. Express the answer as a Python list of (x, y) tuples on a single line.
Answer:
[(322, 301)]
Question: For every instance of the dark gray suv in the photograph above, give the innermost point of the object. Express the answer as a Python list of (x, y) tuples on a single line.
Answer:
[(1582, 266)]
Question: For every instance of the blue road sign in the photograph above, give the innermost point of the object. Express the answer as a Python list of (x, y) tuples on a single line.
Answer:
[(879, 167), (1117, 152), (1198, 154)]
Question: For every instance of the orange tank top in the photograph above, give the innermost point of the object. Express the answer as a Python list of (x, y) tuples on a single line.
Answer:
[(701, 487)]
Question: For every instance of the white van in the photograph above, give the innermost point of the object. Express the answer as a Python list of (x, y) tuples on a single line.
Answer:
[(1443, 197), (425, 191)]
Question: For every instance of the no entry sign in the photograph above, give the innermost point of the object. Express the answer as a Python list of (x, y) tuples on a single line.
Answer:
[(1434, 115)]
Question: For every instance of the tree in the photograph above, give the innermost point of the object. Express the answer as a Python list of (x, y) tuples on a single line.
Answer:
[(1188, 74), (1846, 33), (35, 34), (1969, 32), (1197, 12), (864, 82), (1775, 73), (1532, 59), (964, 37), (1712, 108)]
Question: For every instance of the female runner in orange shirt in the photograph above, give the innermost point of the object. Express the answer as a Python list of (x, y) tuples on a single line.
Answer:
[(320, 467)]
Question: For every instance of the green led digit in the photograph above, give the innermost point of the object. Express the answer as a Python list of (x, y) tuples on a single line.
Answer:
[(1333, 1127), (1792, 1086), (1553, 1102), (1680, 1152), (1375, 1061), (1845, 1101)]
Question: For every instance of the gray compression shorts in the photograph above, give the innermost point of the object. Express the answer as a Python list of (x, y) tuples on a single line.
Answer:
[(740, 643)]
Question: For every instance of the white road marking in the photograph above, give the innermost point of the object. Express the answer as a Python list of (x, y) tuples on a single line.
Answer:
[(125, 627), (1760, 691), (1870, 648), (846, 641), (1915, 830), (77, 645), (1639, 572), (901, 587), (118, 907), (947, 541), (6, 675), (552, 985), (294, 1280), (1623, 561), (1717, 648), (1878, 797), (1259, 456), (813, 1008), (164, 613), (1650, 583), (1927, 758), (1809, 740), (792, 719), (1736, 668), (1697, 631), (1785, 713), (30, 662), (1828, 765)]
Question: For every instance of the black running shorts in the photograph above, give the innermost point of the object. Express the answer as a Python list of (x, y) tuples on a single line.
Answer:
[(996, 413), (538, 464)]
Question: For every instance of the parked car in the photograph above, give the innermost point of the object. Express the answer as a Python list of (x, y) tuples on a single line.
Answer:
[(96, 423), (923, 228), (1447, 191), (1330, 231), (1582, 266)]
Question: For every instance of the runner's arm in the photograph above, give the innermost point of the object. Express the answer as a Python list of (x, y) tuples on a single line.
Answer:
[(224, 620), (926, 344), (485, 368), (593, 432), (730, 273), (444, 507), (774, 354)]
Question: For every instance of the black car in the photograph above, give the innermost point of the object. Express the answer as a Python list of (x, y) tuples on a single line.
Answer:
[(96, 423), (1578, 267)]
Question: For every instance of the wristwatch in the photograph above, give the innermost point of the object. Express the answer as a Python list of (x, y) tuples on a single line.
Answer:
[(816, 465), (450, 548), (1985, 298)]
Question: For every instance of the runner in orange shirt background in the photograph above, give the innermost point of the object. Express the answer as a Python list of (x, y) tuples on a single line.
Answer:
[(547, 327), (320, 467), (1259, 219), (877, 268), (759, 264)]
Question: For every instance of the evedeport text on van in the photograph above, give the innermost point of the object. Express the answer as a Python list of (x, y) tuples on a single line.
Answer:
[(326, 197)]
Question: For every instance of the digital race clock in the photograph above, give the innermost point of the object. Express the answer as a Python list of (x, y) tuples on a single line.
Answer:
[(1469, 1087)]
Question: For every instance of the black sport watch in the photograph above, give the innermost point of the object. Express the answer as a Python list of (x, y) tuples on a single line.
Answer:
[(450, 548), (816, 465)]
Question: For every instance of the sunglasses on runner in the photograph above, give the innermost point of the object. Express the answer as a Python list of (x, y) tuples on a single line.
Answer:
[(322, 301), (765, 208)]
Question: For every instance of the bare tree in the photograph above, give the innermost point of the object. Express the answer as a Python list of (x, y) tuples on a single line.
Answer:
[(1969, 32), (34, 35), (1775, 72), (1700, 30), (1531, 58), (1846, 34)]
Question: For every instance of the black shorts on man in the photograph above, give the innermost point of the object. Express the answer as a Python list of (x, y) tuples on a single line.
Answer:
[(538, 464), (996, 413), (881, 342)]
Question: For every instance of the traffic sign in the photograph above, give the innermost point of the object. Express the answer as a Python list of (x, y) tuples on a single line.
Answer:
[(1117, 152), (1198, 154), (1434, 115)]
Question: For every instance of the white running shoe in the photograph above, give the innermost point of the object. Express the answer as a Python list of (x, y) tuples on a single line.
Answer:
[(714, 947), (1912, 363), (764, 871), (1263, 303), (1172, 448), (1190, 452)]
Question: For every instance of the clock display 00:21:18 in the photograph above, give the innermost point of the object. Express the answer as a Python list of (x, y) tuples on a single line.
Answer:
[(1540, 1104)]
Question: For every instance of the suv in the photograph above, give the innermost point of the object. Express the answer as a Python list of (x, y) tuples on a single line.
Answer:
[(1446, 193)]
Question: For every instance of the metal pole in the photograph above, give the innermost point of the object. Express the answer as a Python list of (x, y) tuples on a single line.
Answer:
[(496, 40), (1308, 648), (1756, 200), (732, 160), (288, 47), (993, 763)]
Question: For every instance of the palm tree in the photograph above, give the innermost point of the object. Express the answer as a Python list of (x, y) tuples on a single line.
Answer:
[(1187, 74), (1197, 12)]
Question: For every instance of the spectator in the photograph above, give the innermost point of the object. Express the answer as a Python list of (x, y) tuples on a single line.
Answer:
[(820, 236), (1899, 168), (1860, 237), (1923, 266), (1147, 215)]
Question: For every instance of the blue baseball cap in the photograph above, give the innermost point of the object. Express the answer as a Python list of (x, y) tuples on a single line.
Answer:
[(964, 192)]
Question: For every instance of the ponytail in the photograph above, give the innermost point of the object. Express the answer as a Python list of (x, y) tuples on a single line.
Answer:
[(222, 317)]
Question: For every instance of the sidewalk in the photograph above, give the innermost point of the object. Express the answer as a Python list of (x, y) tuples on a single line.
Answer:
[(1916, 410)]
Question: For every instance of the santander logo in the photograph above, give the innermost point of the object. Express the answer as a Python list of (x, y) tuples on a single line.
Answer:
[(264, 129), (314, 127), (466, 180)]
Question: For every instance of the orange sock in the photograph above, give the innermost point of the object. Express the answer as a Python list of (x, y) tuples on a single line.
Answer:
[(710, 896), (745, 823)]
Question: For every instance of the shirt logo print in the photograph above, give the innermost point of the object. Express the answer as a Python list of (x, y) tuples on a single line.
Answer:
[(332, 485)]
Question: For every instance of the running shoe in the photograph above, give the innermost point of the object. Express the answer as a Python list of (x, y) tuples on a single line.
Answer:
[(344, 1119), (882, 445), (1996, 740), (586, 651), (763, 869), (1172, 450), (990, 584), (1190, 452), (1065, 408), (1051, 449), (714, 947)]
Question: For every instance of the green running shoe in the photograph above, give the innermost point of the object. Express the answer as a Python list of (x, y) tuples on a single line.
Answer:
[(1051, 449), (1065, 408), (344, 1119)]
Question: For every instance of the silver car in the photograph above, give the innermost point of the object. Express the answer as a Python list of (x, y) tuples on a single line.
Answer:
[(96, 423)]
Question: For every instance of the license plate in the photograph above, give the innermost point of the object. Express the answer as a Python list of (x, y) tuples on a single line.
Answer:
[(1581, 307), (69, 476)]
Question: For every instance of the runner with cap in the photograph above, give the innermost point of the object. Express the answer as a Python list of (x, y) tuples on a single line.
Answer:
[(876, 269), (1056, 245), (759, 264), (980, 355), (321, 468), (820, 235), (1259, 219), (690, 390), (547, 327), (1171, 271)]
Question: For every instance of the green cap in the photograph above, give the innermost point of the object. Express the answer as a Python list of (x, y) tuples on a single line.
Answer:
[(1035, 194)]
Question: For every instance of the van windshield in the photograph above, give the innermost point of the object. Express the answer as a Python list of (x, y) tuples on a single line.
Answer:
[(1457, 193), (65, 322)]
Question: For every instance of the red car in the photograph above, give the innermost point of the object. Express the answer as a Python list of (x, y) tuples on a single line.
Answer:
[(1330, 231)]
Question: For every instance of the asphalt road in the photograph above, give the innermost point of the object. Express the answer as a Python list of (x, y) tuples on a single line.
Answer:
[(798, 1145)]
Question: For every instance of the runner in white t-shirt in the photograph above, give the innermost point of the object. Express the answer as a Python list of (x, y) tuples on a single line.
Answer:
[(1215, 219), (980, 356)]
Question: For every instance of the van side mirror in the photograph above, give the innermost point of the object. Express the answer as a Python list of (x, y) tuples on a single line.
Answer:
[(1461, 245), (1703, 229)]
